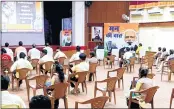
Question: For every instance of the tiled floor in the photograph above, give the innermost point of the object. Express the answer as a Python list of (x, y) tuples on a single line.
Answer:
[(161, 99)]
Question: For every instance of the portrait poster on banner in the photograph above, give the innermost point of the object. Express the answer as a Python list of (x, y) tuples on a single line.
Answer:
[(97, 33), (119, 35), (66, 38)]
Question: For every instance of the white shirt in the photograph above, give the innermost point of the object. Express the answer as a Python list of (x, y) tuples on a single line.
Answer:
[(142, 52), (19, 50), (75, 57), (45, 58), (8, 98), (127, 55), (83, 66), (59, 54), (9, 52), (170, 57), (21, 63), (49, 51), (34, 53), (163, 54)]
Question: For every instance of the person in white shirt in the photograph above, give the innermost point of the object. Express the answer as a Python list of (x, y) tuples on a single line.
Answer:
[(127, 55), (7, 98), (34, 53), (20, 49), (162, 57), (49, 50), (9, 51), (59, 54), (45, 58), (171, 56), (19, 64), (76, 55)]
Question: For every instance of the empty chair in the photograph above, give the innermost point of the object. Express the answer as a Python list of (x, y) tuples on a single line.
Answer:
[(96, 103), (92, 69), (109, 88), (48, 67)]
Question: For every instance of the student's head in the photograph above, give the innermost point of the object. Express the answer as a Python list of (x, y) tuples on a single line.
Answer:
[(132, 49), (140, 45), (92, 54), (40, 101), (34, 45), (143, 72), (47, 44), (44, 52), (78, 48), (171, 52), (4, 82), (3, 51), (6, 44), (82, 56), (164, 49), (59, 70), (127, 49), (58, 48), (20, 43), (22, 55), (159, 48)]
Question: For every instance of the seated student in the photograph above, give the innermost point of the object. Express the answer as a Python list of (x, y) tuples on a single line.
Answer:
[(45, 58), (143, 83), (171, 56), (7, 98), (40, 102), (49, 49), (76, 55), (20, 49), (162, 57), (9, 51), (83, 66), (158, 54), (132, 51), (19, 64), (127, 55), (58, 77), (34, 53), (92, 59), (59, 54)]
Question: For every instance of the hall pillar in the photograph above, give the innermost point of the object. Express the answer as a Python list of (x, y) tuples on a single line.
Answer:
[(78, 23)]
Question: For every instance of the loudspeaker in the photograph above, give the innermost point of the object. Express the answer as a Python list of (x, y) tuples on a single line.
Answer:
[(88, 3)]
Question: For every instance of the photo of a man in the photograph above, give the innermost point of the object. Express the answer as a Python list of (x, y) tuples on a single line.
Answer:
[(97, 34), (130, 37)]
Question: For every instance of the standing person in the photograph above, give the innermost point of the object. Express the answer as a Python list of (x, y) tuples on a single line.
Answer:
[(83, 66), (20, 49), (19, 64), (59, 53), (49, 49), (45, 58), (40, 102), (34, 53), (75, 56), (7, 98), (9, 51)]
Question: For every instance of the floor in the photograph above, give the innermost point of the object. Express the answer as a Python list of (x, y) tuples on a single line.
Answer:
[(161, 99)]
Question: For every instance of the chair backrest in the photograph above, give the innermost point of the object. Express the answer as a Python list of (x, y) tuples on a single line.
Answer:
[(132, 60), (61, 60), (82, 76), (34, 62), (59, 90), (120, 72), (65, 67), (172, 95), (150, 75), (150, 93), (40, 80), (92, 67), (111, 83), (171, 67), (150, 62), (48, 65), (76, 62), (9, 106), (97, 103), (112, 58), (23, 73)]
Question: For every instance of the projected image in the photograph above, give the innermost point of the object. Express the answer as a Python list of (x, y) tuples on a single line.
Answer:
[(22, 17)]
